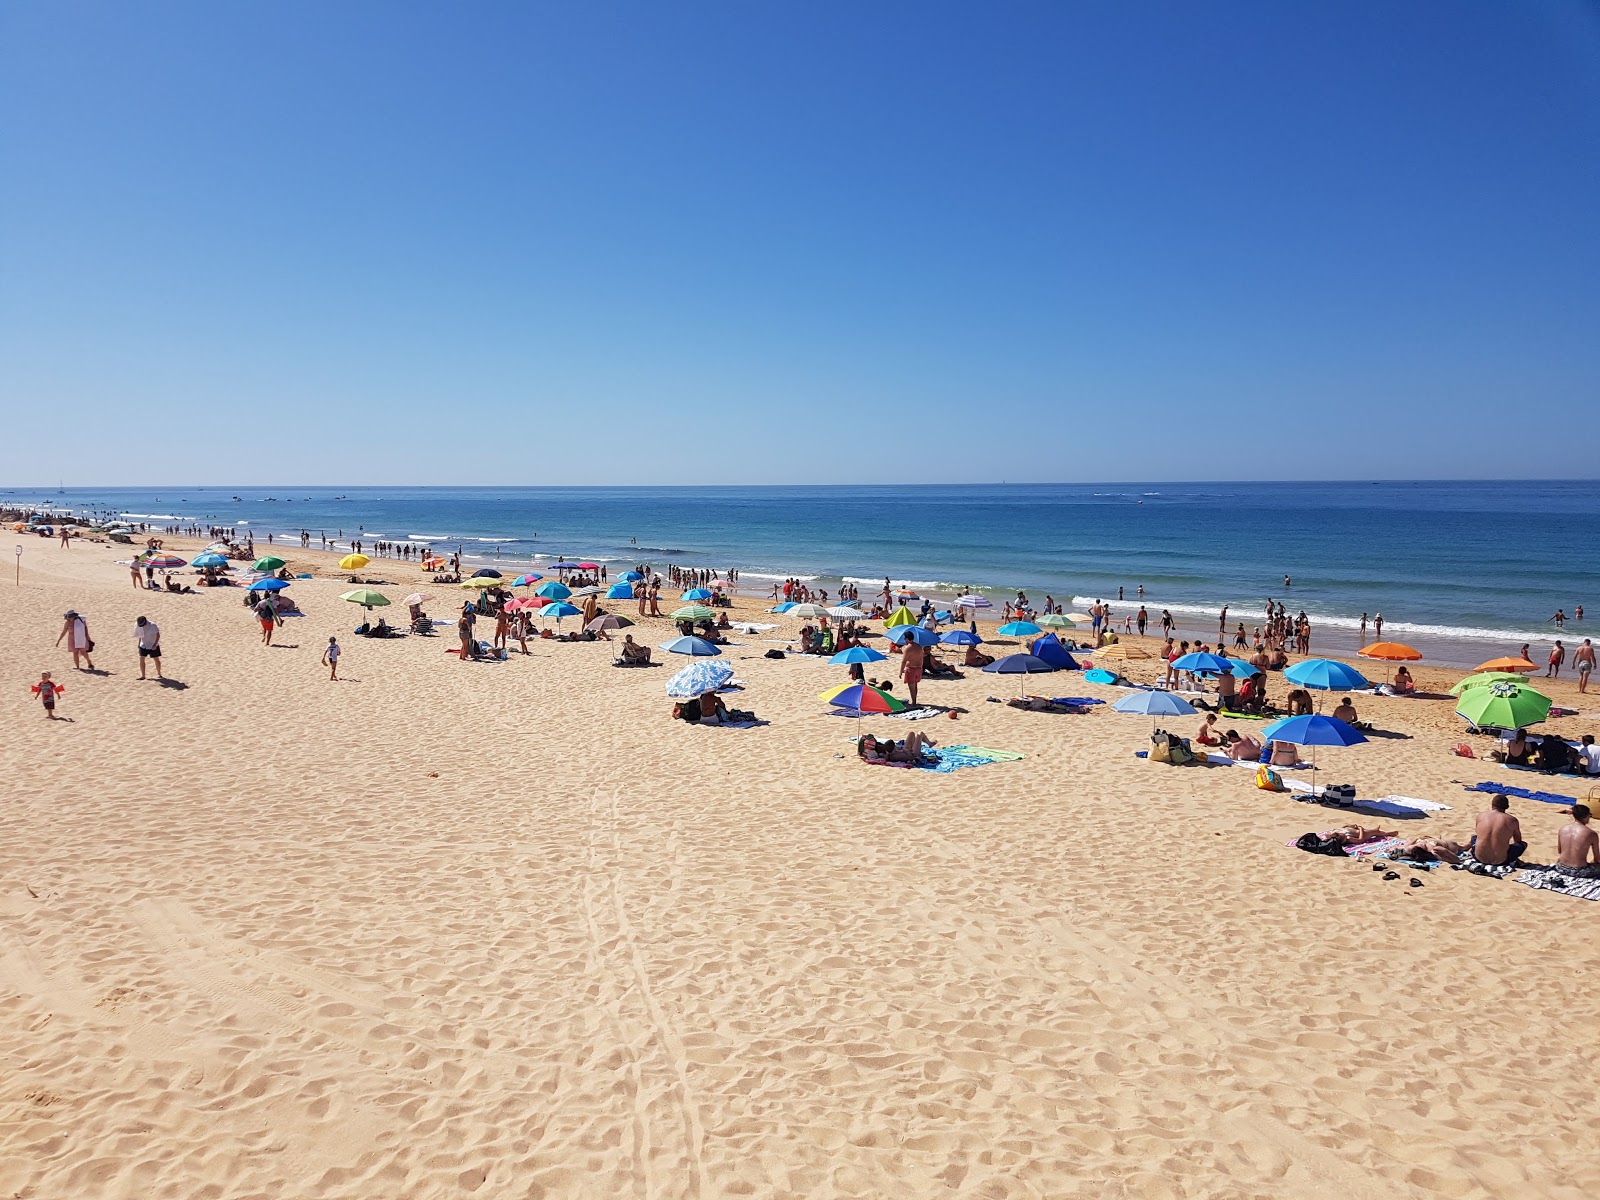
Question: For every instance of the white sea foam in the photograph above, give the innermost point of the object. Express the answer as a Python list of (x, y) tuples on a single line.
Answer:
[(151, 516), (778, 578), (428, 537)]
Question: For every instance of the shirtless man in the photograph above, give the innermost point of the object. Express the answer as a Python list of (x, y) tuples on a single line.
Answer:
[(1497, 837), (1346, 712), (1583, 659), (1578, 847), (911, 664), (1558, 655)]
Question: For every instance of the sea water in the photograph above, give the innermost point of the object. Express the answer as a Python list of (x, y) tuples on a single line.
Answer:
[(1461, 569)]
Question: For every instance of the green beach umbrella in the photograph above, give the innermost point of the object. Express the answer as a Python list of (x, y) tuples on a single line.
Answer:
[(1504, 704), (692, 612), (270, 563), (366, 597), (1054, 621), (1484, 679)]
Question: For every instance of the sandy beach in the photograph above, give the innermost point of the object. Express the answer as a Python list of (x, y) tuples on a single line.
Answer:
[(444, 928)]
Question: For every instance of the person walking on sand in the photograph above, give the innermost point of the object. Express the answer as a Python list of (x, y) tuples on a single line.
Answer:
[(913, 655), (47, 690), (148, 636), (133, 569), (1167, 625), (1558, 655), (76, 630), (267, 614), (330, 658), (1583, 659)]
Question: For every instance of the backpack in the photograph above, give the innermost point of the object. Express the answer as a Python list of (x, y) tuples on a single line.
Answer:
[(1315, 844), (773, 654)]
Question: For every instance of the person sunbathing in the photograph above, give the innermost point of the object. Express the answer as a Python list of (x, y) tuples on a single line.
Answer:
[(1403, 684), (974, 658), (1285, 754), (912, 750), (1355, 835), (633, 652), (1430, 849), (1242, 747)]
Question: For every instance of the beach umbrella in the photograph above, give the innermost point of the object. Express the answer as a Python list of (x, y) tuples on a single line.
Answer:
[(585, 592), (1488, 677), (1155, 704), (697, 679), (1125, 652), (807, 610), (620, 591), (526, 580), (486, 573), (901, 634), (782, 608), (216, 560), (631, 577), (269, 585), (478, 584), (367, 598), (861, 698), (900, 616), (353, 562), (1504, 704), (520, 604), (270, 562), (588, 566), (558, 609), (553, 590), (162, 562), (856, 654), (1506, 664), (1019, 664), (971, 601), (696, 647), (1078, 618), (608, 621), (846, 612), (1201, 664), (1326, 675), (1390, 652), (1055, 621), (419, 598), (1019, 629), (1312, 730), (1242, 669), (692, 612), (698, 593), (960, 637), (562, 566)]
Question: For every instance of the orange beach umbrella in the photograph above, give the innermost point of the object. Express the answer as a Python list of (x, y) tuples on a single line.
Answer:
[(1506, 664), (1392, 651)]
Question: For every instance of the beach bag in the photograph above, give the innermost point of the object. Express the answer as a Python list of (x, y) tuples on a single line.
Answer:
[(1178, 753), (1462, 750), (1316, 844), (773, 654), (1269, 780)]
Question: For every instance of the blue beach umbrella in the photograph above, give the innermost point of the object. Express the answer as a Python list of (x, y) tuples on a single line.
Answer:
[(1019, 664), (553, 590), (697, 647), (1202, 664), (1019, 629), (557, 610), (620, 591), (1326, 675), (782, 608), (1154, 704), (960, 637), (562, 566), (901, 634), (856, 654), (630, 577), (697, 679), (209, 560), (269, 585), (1242, 669), (698, 593), (487, 573), (1312, 730)]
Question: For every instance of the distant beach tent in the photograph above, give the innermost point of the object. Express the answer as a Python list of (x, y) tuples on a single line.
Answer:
[(1390, 652), (900, 616), (1506, 664), (1050, 649), (620, 591), (693, 646)]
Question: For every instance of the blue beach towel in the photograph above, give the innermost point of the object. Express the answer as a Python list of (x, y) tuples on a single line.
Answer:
[(1523, 793)]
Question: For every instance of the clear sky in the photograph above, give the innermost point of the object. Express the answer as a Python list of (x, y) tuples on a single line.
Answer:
[(302, 242)]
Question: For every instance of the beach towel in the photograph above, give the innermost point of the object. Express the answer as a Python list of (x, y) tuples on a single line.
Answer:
[(1523, 793), (1551, 880), (1473, 867), (1076, 701), (1390, 806), (953, 758)]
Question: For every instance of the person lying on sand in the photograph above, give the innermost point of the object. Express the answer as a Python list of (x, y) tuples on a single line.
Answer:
[(909, 751), (1430, 849), (1356, 835)]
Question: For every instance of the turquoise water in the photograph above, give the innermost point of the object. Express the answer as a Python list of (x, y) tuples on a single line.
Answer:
[(1466, 570)]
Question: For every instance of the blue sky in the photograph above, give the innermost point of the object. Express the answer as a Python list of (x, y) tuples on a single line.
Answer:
[(529, 243)]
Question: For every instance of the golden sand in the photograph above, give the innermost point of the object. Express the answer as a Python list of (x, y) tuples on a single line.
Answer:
[(503, 928)]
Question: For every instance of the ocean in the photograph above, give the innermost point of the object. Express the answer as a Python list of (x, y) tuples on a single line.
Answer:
[(1461, 570)]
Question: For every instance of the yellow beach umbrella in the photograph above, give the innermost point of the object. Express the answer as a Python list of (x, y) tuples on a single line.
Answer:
[(476, 584), (1124, 651), (1078, 618), (353, 562)]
